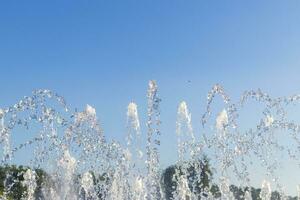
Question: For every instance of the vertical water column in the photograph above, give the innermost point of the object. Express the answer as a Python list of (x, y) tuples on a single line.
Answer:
[(221, 125), (185, 142), (134, 135), (30, 183), (68, 166), (298, 192), (265, 193), (184, 131), (134, 153), (87, 184), (247, 195), (153, 175), (4, 137)]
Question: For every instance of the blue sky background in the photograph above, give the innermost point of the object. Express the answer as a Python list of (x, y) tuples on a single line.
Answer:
[(104, 53)]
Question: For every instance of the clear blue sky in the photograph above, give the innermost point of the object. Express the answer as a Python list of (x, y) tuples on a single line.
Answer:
[(104, 52)]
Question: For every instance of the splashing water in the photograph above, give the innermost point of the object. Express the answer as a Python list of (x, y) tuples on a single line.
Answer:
[(80, 163)]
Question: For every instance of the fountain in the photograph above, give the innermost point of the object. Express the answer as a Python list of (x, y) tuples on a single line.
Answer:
[(72, 160)]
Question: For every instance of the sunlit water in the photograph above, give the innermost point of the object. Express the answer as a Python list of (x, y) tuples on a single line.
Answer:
[(82, 164)]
